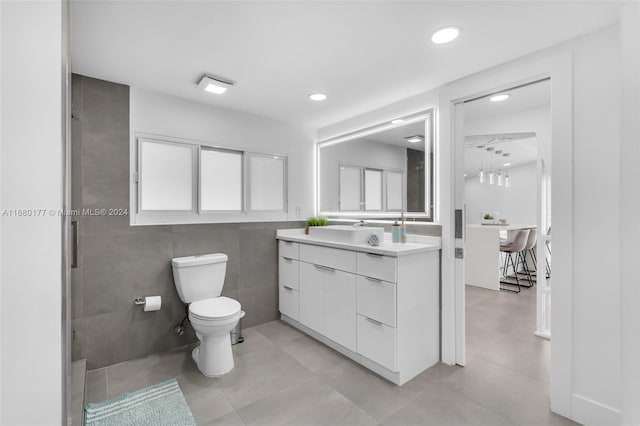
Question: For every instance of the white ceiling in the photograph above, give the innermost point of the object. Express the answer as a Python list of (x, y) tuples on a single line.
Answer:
[(522, 147), (396, 135), (362, 54), (531, 96)]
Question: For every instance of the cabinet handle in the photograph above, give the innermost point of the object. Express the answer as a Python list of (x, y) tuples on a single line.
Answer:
[(326, 268), (375, 280), (286, 287), (287, 258), (375, 255), (371, 320), (287, 242), (74, 252)]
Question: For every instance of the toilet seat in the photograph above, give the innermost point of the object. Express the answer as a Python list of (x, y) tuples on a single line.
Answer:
[(216, 308)]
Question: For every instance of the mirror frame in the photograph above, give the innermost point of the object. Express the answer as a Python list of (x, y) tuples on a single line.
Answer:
[(426, 216)]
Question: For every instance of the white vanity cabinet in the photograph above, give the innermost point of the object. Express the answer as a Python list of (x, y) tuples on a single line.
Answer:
[(377, 305), (328, 293)]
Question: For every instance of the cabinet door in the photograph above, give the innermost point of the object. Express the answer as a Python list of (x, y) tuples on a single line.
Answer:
[(377, 341), (288, 272), (289, 301), (311, 296), (340, 308)]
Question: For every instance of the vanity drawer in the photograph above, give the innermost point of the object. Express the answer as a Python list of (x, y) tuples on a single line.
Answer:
[(288, 249), (288, 272), (377, 342), (343, 260), (377, 266), (376, 299), (289, 304)]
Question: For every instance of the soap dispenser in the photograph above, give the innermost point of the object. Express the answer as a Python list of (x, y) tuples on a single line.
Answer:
[(396, 232)]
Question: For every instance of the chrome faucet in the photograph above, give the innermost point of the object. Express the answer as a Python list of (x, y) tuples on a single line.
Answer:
[(361, 223)]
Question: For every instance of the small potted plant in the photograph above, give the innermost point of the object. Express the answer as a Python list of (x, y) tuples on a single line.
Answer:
[(487, 219), (315, 221)]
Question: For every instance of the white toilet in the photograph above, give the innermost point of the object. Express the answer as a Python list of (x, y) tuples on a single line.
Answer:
[(199, 281)]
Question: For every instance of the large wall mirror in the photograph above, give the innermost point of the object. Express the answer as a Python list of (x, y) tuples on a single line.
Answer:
[(380, 171)]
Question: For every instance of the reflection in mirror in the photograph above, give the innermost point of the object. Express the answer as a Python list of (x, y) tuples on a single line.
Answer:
[(378, 172)]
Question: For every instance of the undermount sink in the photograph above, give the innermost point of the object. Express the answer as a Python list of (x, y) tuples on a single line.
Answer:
[(345, 233)]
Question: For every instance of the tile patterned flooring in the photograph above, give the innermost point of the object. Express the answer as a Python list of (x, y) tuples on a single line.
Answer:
[(283, 377)]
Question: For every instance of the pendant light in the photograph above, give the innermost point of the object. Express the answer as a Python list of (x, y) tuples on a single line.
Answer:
[(499, 173), (481, 174), (507, 181), (492, 176)]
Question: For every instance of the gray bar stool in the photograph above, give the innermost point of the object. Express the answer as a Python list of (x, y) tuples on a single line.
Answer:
[(515, 247), (528, 248)]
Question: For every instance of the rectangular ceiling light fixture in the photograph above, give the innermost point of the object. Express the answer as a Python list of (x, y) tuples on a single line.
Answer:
[(414, 138), (215, 85)]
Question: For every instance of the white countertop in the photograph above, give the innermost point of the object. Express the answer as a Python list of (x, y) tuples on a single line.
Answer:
[(415, 243)]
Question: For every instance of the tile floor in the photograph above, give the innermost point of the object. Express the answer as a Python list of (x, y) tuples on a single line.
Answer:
[(283, 377)]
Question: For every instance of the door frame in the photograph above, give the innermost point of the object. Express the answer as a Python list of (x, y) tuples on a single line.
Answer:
[(558, 67)]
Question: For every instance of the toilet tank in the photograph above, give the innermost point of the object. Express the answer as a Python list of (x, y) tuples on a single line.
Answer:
[(199, 277)]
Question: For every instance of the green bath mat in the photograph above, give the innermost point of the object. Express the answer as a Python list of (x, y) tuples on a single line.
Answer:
[(161, 404)]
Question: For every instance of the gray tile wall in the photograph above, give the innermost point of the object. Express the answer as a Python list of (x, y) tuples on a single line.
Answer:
[(118, 263)]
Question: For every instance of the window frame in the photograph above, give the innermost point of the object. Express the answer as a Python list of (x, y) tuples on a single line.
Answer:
[(285, 180), (194, 153), (139, 217), (199, 181)]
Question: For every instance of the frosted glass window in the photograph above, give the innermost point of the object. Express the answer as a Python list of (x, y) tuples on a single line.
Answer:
[(220, 180), (394, 191), (350, 184), (267, 182), (166, 176), (373, 189)]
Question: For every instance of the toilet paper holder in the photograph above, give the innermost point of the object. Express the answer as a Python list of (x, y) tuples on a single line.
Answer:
[(139, 301)]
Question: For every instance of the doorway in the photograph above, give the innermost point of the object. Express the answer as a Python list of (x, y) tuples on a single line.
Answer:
[(505, 192)]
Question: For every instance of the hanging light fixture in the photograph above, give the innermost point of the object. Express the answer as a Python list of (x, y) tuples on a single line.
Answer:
[(499, 172), (481, 174), (492, 176), (507, 181)]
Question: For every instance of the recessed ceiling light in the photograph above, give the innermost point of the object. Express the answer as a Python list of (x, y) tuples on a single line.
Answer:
[(445, 35), (499, 98), (506, 164), (216, 85), (317, 96), (414, 138), (397, 121)]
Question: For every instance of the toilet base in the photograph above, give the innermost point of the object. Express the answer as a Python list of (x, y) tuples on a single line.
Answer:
[(214, 356)]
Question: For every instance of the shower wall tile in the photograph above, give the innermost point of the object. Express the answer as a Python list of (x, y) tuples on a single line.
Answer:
[(119, 262), (260, 248), (213, 238)]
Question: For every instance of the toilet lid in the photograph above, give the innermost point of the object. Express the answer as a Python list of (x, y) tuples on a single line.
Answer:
[(216, 307)]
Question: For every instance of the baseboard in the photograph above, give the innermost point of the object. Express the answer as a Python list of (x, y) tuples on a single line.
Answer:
[(590, 412)]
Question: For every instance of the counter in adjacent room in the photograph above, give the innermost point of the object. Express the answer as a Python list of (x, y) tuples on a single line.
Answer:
[(482, 254)]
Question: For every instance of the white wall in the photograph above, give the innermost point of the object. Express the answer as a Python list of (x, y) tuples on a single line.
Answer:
[(361, 152), (31, 178), (516, 204), (159, 114), (596, 337), (630, 211), (587, 378)]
